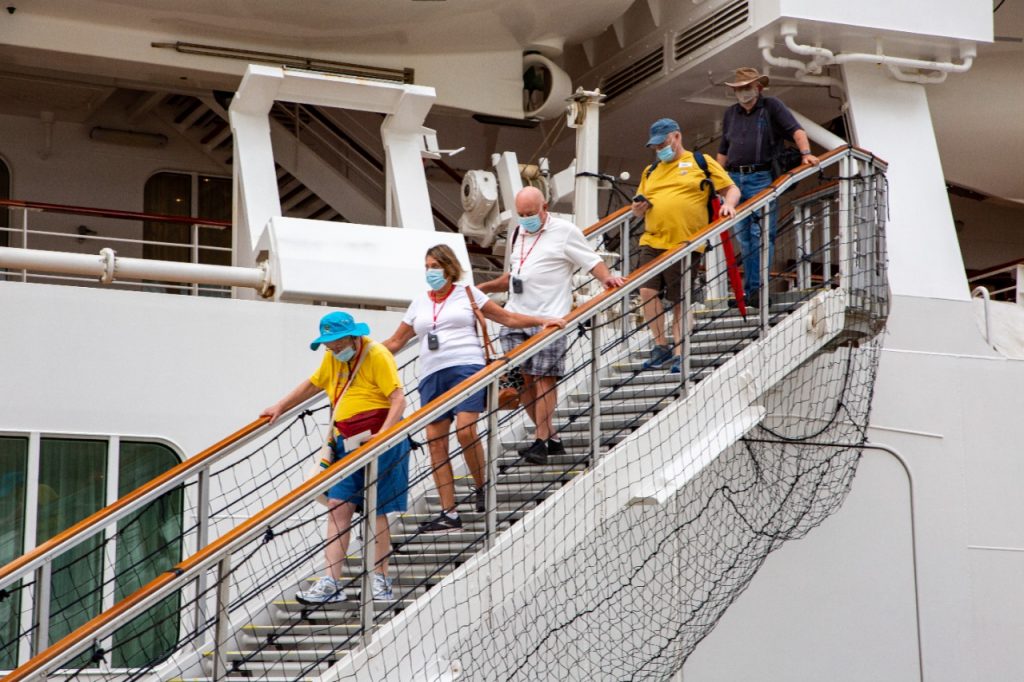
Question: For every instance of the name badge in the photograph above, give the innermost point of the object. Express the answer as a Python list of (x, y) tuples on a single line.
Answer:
[(685, 164)]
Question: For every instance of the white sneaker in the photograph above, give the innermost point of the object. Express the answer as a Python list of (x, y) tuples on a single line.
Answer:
[(326, 590), (382, 588)]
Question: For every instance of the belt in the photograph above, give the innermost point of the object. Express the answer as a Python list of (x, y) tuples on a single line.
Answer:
[(752, 168)]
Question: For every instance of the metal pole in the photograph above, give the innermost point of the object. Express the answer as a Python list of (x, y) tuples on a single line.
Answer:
[(684, 325), (765, 245), (595, 389), (826, 244), (491, 465), (803, 272), (220, 636), (202, 539), (24, 239), (369, 548), (845, 205), (625, 234), (41, 605), (195, 254)]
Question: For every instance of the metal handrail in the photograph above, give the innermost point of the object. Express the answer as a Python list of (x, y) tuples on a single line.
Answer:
[(255, 526), (138, 498), (983, 292)]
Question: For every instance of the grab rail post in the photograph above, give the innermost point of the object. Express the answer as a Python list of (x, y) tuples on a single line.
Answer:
[(220, 632), (625, 234), (491, 465), (202, 539), (845, 219), (369, 550), (595, 390), (41, 607), (764, 304), (684, 326)]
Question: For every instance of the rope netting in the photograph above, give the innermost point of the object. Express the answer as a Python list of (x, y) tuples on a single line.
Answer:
[(681, 485)]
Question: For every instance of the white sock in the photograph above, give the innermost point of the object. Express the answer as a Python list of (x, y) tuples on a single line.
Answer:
[(453, 514)]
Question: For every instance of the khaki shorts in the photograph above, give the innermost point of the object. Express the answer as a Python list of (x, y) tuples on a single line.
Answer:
[(669, 282)]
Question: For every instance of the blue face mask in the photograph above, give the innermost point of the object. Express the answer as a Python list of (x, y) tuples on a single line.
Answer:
[(666, 154), (530, 223), (436, 279), (345, 354)]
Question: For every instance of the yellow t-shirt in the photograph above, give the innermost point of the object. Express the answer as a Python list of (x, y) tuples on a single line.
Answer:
[(678, 204), (376, 379)]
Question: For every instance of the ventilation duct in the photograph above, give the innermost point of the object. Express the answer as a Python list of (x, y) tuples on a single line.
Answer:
[(710, 29), (651, 64)]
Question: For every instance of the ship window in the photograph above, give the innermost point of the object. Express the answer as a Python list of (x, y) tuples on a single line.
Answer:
[(76, 477), (149, 543), (193, 195), (72, 485), (14, 468)]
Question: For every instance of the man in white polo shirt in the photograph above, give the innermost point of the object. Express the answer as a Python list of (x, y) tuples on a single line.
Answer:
[(544, 252)]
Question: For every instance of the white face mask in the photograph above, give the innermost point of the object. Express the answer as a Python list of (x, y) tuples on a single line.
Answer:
[(746, 95)]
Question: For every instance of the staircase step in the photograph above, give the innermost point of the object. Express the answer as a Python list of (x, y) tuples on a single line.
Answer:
[(616, 423), (520, 476), (468, 517), (572, 443), (351, 606)]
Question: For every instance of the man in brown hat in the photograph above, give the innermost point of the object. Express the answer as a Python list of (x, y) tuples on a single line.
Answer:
[(753, 131)]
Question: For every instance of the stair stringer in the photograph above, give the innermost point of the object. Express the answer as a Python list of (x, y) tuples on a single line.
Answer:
[(432, 639)]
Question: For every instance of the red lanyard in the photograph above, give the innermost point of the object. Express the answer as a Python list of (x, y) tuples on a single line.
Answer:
[(351, 374), (522, 244), (437, 311)]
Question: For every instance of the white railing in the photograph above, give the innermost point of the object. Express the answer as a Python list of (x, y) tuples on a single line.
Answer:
[(859, 257), (48, 254), (1015, 271)]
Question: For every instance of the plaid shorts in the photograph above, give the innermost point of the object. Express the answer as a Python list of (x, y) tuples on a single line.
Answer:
[(549, 362)]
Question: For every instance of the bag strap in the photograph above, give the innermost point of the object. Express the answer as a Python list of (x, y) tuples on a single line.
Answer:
[(706, 184), (363, 352), (488, 348)]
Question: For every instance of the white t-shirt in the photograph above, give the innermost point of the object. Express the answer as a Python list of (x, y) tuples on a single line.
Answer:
[(456, 329), (545, 262)]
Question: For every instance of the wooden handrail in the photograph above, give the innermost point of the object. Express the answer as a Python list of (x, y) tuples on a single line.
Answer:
[(111, 213), (259, 521)]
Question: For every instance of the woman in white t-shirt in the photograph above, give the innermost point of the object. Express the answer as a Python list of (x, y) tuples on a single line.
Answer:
[(450, 352)]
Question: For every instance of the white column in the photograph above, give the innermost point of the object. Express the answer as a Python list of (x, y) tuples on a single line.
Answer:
[(892, 120)]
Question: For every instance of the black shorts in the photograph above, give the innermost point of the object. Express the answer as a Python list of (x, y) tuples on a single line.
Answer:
[(669, 282)]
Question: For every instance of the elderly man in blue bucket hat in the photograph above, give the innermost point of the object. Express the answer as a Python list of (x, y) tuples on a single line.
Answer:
[(361, 379)]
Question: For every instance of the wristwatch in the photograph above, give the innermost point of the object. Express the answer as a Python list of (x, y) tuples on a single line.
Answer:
[(805, 152)]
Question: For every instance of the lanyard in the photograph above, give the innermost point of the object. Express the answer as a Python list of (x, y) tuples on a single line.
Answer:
[(522, 245), (352, 370), (437, 311)]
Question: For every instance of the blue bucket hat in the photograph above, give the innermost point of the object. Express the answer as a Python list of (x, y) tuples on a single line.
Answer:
[(660, 130), (338, 325)]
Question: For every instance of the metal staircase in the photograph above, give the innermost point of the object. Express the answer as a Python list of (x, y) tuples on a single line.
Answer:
[(638, 445), (303, 635)]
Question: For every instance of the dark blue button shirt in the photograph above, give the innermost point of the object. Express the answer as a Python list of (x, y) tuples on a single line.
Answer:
[(745, 137)]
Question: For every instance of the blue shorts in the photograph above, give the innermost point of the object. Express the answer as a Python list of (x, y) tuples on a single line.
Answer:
[(392, 482), (445, 379)]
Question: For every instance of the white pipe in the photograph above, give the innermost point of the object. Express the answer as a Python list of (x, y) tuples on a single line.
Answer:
[(783, 62), (818, 134), (106, 267), (821, 56)]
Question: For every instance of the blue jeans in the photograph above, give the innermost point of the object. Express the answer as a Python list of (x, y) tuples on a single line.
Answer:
[(748, 232)]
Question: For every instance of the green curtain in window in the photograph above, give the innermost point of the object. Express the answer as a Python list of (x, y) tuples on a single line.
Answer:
[(149, 543), (72, 485), (13, 470)]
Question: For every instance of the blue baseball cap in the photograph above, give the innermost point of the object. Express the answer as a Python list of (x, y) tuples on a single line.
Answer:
[(338, 325), (660, 130)]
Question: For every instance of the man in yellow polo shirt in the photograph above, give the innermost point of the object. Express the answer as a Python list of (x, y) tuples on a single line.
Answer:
[(361, 380), (674, 207)]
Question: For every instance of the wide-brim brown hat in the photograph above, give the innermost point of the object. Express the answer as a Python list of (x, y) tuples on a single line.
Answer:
[(745, 75)]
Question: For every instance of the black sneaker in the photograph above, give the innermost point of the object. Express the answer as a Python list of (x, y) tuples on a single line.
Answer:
[(442, 524), (536, 453), (480, 500), (555, 447)]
